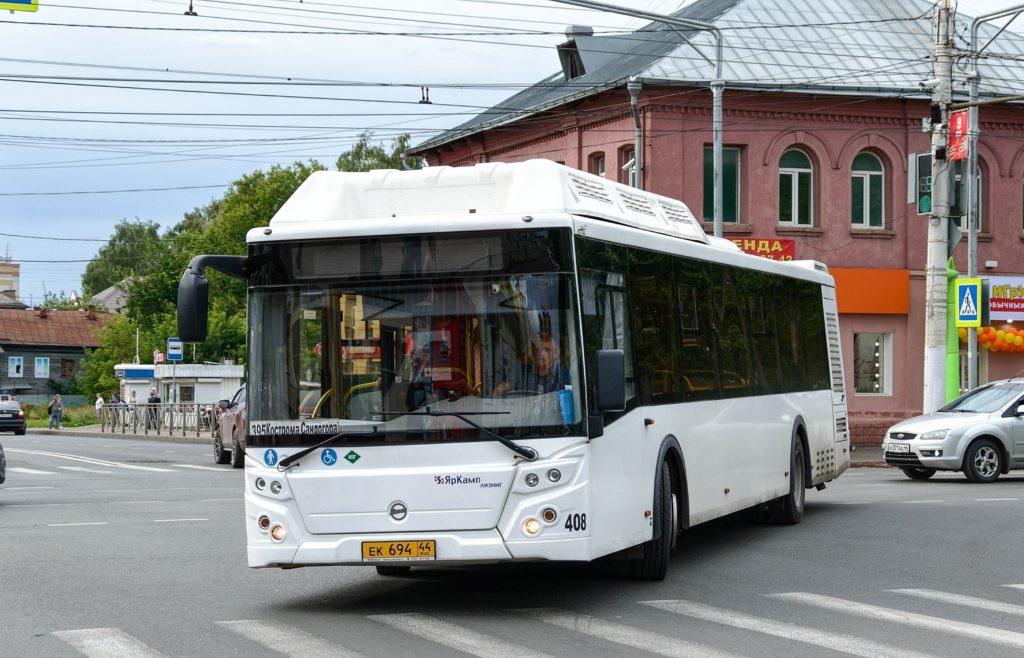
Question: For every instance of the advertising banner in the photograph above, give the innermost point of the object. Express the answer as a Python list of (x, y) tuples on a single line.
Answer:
[(771, 248), (1006, 297)]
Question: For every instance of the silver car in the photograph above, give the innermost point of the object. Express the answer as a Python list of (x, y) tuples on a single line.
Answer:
[(980, 433)]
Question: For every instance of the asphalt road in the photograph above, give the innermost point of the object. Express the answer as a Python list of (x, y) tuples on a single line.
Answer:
[(115, 547)]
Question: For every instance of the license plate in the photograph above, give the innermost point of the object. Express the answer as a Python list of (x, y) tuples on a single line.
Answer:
[(899, 447), (377, 551)]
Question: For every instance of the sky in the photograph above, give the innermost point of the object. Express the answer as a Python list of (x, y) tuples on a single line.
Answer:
[(113, 111)]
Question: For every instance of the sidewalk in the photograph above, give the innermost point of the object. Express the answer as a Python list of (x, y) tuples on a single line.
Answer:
[(94, 430), (867, 457)]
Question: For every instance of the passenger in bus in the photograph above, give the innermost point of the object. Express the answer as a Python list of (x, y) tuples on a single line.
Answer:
[(542, 372)]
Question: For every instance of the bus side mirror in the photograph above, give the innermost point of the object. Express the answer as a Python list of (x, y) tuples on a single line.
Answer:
[(193, 306), (611, 381), (194, 293)]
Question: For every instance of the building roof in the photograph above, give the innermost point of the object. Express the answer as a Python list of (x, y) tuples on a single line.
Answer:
[(112, 298), (876, 48), (57, 329)]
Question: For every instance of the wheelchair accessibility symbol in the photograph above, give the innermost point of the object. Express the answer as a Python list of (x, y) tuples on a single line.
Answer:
[(270, 457), (329, 457)]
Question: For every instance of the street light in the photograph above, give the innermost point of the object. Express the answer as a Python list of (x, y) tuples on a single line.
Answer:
[(972, 173), (717, 85)]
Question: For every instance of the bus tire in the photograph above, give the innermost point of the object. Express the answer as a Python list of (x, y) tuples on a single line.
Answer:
[(220, 455), (654, 563), (237, 454), (789, 509), (391, 570)]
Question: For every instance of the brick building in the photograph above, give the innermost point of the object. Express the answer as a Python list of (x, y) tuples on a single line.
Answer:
[(823, 110)]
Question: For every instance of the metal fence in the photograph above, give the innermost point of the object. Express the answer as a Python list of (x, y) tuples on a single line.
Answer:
[(170, 418)]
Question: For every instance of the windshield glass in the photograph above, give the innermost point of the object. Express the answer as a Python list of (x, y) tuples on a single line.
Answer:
[(987, 399), (350, 353)]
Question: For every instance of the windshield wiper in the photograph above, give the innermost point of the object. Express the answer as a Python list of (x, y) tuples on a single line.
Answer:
[(290, 460), (527, 453)]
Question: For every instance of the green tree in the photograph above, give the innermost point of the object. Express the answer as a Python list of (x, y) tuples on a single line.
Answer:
[(117, 345), (131, 250), (365, 156)]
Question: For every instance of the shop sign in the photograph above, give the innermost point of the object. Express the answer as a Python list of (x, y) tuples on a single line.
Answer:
[(1006, 297), (770, 248)]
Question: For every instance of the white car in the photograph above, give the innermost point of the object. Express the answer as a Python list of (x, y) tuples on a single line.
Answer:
[(980, 433)]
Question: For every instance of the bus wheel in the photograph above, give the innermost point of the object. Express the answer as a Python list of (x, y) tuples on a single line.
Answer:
[(789, 509), (918, 472), (654, 563), (392, 570)]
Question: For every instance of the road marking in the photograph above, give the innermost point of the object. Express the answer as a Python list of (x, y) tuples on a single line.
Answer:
[(855, 502), (968, 601), (636, 638), (836, 641), (71, 525), (90, 460), (285, 639), (176, 520), (107, 643), (974, 631), (995, 500), (455, 637), (137, 502), (1015, 586), (198, 467), (83, 469), (28, 471), (920, 502), (29, 488)]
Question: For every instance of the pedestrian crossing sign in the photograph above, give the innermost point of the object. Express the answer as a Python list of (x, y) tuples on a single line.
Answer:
[(20, 5), (968, 302)]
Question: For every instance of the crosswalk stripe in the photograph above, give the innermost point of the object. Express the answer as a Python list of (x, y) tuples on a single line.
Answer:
[(636, 638), (845, 643), (1015, 586), (29, 471), (455, 637), (968, 601), (198, 467), (878, 613), (286, 639), (83, 469), (107, 643)]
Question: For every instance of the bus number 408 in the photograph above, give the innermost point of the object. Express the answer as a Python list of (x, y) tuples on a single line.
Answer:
[(576, 522)]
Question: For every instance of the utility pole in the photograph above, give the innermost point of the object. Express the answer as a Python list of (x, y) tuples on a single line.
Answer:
[(936, 283)]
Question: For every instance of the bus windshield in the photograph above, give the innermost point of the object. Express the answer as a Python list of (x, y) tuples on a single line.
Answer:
[(345, 354)]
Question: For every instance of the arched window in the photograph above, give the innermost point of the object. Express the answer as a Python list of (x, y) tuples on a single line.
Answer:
[(796, 198), (867, 192), (595, 163)]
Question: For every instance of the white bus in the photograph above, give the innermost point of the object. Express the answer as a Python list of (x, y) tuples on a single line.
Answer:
[(518, 362)]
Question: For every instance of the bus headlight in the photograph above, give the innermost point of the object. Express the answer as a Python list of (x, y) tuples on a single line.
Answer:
[(531, 527), (260, 483), (275, 487), (532, 480), (263, 522), (278, 532)]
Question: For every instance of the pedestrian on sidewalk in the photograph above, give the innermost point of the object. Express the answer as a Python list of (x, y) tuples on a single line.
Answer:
[(100, 417), (56, 409)]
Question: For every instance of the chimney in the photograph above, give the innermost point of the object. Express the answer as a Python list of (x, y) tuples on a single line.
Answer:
[(41, 311), (90, 312), (569, 55)]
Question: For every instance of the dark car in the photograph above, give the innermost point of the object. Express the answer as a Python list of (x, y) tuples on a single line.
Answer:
[(229, 440), (3, 465), (12, 417)]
